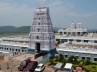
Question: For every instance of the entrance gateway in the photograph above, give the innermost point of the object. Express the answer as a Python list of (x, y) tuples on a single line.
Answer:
[(37, 47), (42, 37)]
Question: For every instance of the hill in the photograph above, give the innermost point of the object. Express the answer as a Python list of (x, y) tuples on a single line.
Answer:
[(22, 29), (13, 29)]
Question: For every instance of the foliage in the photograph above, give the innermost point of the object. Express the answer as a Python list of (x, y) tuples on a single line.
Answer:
[(73, 59), (13, 29), (87, 62), (81, 62), (90, 68), (61, 58), (51, 62), (87, 65)]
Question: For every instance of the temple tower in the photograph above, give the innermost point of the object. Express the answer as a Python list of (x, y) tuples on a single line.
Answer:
[(42, 35)]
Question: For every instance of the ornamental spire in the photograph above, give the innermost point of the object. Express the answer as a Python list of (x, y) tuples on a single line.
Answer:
[(42, 35), (42, 3)]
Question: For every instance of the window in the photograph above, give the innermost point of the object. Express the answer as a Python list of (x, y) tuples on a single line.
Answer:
[(22, 50), (39, 18), (95, 59), (62, 40), (65, 40), (57, 39), (78, 33), (88, 58), (64, 32), (37, 37), (71, 40), (86, 41), (95, 41), (16, 49), (78, 40), (19, 50), (7, 48), (38, 29), (60, 33), (83, 58), (39, 23), (66, 55), (69, 33)]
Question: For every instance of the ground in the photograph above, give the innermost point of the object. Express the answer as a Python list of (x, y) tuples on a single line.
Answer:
[(8, 66), (13, 63)]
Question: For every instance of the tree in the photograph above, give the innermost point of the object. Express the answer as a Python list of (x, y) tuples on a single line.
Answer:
[(61, 58), (87, 62), (81, 62), (51, 62), (73, 59)]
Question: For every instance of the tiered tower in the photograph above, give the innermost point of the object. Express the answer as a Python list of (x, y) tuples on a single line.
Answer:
[(42, 35)]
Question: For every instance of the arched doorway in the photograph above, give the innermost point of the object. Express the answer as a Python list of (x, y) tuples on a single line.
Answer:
[(37, 47)]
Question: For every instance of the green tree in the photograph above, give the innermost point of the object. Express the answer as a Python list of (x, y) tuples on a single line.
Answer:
[(73, 59), (87, 62), (81, 62), (61, 58)]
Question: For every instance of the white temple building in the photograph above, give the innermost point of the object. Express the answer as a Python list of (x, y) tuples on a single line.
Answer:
[(42, 35), (72, 40)]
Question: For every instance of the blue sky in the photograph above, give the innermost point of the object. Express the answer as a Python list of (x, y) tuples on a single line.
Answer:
[(62, 12)]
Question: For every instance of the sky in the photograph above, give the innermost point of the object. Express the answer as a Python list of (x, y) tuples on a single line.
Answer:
[(62, 12)]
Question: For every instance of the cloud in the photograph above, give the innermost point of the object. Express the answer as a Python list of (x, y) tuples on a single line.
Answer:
[(67, 8), (13, 14), (20, 12), (5, 8)]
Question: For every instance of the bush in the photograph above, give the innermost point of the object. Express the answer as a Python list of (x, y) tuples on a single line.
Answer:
[(73, 59), (51, 62)]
